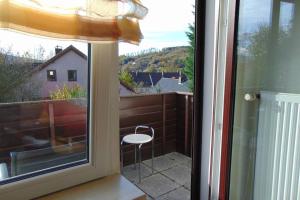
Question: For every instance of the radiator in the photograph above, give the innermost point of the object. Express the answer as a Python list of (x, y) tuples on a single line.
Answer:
[(277, 164)]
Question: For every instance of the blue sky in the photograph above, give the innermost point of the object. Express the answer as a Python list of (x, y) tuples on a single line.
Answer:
[(254, 13), (164, 26)]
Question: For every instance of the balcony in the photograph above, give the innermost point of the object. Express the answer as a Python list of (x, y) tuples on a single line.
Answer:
[(171, 117), (171, 178), (42, 125)]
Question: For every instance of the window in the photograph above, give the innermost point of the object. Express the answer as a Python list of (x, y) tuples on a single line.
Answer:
[(103, 156), (73, 164), (72, 75), (51, 75), (43, 127), (260, 141), (265, 160)]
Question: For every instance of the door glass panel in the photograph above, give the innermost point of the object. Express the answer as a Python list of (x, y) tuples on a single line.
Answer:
[(265, 160)]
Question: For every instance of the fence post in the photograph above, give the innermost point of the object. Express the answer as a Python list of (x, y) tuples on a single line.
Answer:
[(164, 122), (186, 125), (51, 124)]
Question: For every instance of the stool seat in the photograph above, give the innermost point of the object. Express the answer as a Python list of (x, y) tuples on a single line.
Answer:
[(137, 138)]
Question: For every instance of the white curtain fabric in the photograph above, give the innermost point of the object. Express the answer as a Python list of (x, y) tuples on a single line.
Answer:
[(91, 20)]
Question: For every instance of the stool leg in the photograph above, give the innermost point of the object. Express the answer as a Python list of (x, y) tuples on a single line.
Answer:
[(121, 157), (140, 160), (152, 156), (135, 156)]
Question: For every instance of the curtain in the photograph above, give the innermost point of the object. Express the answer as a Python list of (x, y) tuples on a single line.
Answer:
[(88, 20)]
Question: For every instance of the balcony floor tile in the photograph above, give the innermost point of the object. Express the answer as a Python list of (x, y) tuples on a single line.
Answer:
[(179, 157), (131, 173), (178, 194), (162, 163), (171, 179), (157, 185), (180, 174)]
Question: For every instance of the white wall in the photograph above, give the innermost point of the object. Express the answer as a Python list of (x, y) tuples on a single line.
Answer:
[(69, 61), (124, 91)]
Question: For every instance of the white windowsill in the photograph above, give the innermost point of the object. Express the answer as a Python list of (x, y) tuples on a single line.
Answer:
[(114, 187)]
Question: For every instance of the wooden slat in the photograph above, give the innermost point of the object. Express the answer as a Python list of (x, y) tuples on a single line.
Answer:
[(20, 120), (166, 114), (162, 112)]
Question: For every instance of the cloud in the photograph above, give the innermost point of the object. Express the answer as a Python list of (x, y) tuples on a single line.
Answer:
[(164, 26), (167, 15), (157, 40)]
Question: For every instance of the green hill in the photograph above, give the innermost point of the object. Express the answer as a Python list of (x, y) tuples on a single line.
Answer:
[(168, 60)]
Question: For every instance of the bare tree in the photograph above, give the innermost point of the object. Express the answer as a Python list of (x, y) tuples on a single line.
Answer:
[(15, 74)]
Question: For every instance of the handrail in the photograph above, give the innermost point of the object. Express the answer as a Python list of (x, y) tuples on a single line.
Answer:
[(157, 94), (40, 101)]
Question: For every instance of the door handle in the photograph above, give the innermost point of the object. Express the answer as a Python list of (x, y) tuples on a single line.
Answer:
[(251, 97)]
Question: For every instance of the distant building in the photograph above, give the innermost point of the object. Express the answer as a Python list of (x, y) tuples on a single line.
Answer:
[(70, 66), (172, 85), (125, 90), (158, 82), (67, 67)]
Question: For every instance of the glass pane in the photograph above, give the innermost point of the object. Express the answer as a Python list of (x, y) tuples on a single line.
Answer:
[(265, 160), (43, 116)]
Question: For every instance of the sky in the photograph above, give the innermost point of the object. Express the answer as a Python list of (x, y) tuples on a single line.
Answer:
[(164, 26), (254, 13)]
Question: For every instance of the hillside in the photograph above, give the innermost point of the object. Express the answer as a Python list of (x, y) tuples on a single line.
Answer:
[(168, 60)]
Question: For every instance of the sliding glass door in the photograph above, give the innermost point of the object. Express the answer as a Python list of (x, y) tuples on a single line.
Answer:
[(265, 145)]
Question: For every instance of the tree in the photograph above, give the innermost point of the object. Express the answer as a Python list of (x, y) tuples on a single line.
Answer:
[(188, 70), (126, 78), (15, 73), (39, 53), (261, 41)]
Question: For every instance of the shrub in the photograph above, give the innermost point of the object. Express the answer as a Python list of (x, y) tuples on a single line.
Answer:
[(67, 92), (126, 78)]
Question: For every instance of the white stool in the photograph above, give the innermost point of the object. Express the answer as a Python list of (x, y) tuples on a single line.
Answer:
[(138, 139)]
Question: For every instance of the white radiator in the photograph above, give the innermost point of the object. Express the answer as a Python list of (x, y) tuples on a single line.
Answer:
[(277, 164)]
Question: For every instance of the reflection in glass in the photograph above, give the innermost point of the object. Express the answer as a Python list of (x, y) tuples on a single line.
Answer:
[(43, 115), (265, 162)]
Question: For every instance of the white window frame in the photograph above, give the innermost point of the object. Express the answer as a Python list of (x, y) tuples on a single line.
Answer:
[(219, 98), (104, 133), (216, 29)]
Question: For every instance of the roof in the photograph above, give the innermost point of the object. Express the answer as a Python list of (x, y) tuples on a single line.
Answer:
[(147, 78), (172, 85), (60, 54), (126, 86)]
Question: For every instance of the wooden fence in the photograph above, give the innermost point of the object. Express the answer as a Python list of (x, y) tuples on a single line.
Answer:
[(40, 124), (169, 114), (32, 125)]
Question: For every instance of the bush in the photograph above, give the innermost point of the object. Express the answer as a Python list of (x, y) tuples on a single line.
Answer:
[(67, 92), (126, 78)]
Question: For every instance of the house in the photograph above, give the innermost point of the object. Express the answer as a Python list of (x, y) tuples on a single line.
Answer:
[(125, 90), (172, 85), (157, 82), (68, 67)]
